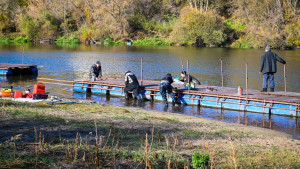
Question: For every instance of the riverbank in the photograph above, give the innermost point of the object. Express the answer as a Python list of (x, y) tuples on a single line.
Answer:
[(86, 135)]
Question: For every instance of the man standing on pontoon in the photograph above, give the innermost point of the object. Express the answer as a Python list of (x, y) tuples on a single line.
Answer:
[(268, 67)]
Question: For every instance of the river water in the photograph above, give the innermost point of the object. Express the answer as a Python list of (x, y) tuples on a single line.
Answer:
[(73, 63)]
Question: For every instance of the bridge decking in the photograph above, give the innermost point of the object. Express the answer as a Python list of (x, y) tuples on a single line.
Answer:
[(281, 96)]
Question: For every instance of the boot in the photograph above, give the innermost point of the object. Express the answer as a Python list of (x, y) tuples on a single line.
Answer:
[(271, 89), (264, 90), (139, 98), (166, 104), (126, 96)]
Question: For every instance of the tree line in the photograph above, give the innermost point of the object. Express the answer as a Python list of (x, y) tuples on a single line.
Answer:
[(234, 23)]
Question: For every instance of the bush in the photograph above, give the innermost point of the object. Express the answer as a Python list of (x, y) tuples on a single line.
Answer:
[(21, 39), (108, 42), (200, 161), (71, 40), (194, 25), (119, 43), (29, 26), (154, 41)]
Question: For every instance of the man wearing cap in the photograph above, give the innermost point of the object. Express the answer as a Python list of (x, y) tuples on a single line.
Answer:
[(268, 68), (96, 71), (131, 84)]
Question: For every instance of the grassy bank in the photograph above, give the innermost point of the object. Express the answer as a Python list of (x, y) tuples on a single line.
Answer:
[(93, 135), (15, 40)]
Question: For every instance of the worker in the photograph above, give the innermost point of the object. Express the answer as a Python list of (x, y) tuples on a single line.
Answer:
[(131, 84), (189, 80), (96, 71), (268, 68), (165, 86)]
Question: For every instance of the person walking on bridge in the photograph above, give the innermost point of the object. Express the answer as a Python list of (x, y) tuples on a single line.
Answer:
[(165, 86), (96, 71), (132, 84), (268, 67)]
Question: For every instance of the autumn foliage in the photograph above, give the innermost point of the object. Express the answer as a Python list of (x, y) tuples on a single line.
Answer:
[(235, 23)]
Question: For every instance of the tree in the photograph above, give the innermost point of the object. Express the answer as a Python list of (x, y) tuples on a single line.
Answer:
[(205, 28)]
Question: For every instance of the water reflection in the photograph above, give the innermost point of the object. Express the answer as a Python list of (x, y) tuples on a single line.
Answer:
[(286, 124)]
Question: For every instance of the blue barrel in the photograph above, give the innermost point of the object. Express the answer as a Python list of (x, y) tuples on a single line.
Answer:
[(145, 94), (210, 102), (257, 107), (81, 87), (189, 99), (119, 91), (159, 97), (292, 112), (34, 71), (234, 104), (3, 72), (98, 89)]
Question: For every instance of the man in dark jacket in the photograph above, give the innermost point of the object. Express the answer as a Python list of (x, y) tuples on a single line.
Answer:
[(187, 78), (96, 71), (268, 67), (165, 86), (131, 84)]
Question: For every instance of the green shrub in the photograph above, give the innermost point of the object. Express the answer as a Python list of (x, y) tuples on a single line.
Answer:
[(108, 42), (119, 43), (154, 41), (21, 39), (71, 40), (4, 40), (244, 42), (200, 161)]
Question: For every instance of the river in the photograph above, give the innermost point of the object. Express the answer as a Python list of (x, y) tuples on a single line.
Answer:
[(73, 63)]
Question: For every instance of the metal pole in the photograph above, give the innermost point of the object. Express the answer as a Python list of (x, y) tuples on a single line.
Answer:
[(222, 72), (188, 72), (182, 68), (23, 56), (284, 77), (247, 78), (142, 71)]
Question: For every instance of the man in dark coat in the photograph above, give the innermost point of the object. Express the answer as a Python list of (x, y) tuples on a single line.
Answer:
[(187, 78), (165, 86), (268, 68), (96, 71), (131, 84)]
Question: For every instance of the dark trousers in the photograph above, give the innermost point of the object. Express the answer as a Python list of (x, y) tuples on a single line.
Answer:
[(135, 89), (268, 78), (166, 87)]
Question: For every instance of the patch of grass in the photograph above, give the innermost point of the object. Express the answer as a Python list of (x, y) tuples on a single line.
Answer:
[(18, 39), (154, 41), (187, 133), (67, 40), (170, 120)]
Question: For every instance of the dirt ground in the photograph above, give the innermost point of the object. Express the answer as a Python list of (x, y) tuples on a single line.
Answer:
[(100, 136)]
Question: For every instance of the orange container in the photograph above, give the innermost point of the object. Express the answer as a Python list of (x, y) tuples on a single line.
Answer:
[(5, 94), (18, 94), (39, 88)]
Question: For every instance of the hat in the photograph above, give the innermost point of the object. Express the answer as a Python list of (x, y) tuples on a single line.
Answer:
[(128, 71), (268, 48), (98, 62)]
